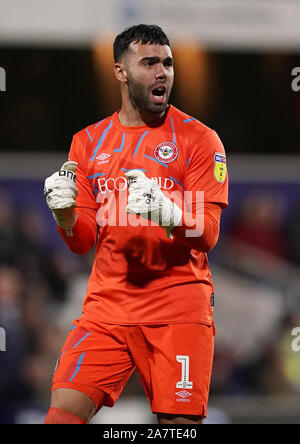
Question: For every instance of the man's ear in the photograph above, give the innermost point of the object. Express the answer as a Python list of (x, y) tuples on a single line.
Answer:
[(121, 72)]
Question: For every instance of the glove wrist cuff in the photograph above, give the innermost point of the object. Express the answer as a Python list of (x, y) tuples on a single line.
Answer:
[(172, 218)]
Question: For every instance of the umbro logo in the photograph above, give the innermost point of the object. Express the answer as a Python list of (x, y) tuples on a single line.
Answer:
[(183, 394), (103, 156)]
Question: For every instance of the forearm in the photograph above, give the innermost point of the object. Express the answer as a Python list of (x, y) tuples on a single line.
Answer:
[(204, 235), (84, 232)]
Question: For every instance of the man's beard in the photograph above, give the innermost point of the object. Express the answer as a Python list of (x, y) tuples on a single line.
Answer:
[(139, 97)]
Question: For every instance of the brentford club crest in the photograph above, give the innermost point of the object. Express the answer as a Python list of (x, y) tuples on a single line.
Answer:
[(166, 152)]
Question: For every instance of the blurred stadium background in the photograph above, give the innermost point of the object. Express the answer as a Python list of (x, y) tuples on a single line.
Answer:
[(233, 65)]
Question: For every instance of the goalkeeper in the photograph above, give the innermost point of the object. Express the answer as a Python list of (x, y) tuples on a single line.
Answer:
[(147, 185)]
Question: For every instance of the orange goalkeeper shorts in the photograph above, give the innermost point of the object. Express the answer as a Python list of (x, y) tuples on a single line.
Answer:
[(174, 362)]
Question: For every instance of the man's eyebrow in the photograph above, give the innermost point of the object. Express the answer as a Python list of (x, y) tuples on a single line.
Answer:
[(156, 59)]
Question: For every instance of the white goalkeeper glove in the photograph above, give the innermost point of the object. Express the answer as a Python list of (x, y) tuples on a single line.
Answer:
[(60, 192), (146, 199)]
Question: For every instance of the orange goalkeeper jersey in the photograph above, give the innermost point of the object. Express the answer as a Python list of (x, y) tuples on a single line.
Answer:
[(140, 276)]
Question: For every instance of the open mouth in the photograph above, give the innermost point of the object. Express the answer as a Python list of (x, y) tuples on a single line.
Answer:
[(159, 94), (159, 91)]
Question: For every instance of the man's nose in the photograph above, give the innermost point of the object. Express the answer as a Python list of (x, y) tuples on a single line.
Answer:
[(161, 72)]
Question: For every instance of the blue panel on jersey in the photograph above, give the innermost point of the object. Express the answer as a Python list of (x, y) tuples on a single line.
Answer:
[(118, 150), (139, 142), (155, 160), (174, 137), (79, 362), (177, 181), (95, 175), (90, 137), (98, 123), (189, 120), (81, 339), (101, 141)]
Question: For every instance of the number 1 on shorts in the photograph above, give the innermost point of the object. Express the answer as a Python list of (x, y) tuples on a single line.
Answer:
[(185, 368)]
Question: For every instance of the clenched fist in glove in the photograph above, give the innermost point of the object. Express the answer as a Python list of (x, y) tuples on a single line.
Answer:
[(147, 199), (60, 192)]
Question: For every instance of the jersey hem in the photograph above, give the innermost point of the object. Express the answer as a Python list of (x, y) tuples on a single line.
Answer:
[(205, 322)]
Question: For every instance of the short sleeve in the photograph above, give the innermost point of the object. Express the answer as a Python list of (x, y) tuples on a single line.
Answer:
[(207, 169)]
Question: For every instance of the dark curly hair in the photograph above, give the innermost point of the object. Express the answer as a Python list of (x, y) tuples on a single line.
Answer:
[(152, 34)]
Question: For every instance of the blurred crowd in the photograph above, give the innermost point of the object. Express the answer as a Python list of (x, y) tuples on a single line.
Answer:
[(35, 280), (262, 243), (42, 285)]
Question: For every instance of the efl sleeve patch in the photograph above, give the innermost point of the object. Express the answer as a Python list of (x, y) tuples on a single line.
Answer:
[(220, 167)]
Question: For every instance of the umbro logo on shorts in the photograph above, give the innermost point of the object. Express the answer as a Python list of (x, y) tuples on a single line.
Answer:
[(183, 394)]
